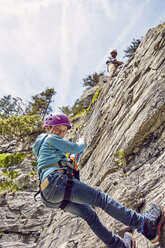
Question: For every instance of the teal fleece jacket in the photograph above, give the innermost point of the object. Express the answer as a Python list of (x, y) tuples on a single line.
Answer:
[(50, 148)]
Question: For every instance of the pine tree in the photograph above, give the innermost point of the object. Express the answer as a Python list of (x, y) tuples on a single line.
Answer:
[(92, 80), (10, 106), (130, 51), (65, 109), (40, 103)]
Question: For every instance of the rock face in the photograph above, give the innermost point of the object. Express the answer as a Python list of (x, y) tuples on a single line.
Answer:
[(87, 96), (125, 158)]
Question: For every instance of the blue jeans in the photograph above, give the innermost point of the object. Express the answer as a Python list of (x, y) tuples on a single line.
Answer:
[(82, 198)]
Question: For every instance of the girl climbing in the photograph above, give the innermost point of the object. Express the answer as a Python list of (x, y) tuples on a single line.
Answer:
[(60, 187)]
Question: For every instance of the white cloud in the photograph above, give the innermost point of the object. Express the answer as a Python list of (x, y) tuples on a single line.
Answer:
[(56, 43), (136, 14), (75, 32), (63, 83), (27, 43)]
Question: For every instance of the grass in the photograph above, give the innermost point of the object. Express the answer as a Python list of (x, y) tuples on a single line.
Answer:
[(93, 99), (10, 173), (121, 155), (35, 163), (8, 186), (33, 172)]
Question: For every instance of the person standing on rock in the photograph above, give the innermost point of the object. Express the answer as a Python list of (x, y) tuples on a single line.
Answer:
[(60, 187), (112, 63)]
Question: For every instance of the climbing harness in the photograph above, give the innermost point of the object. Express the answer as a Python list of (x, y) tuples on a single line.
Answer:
[(70, 171), (66, 167)]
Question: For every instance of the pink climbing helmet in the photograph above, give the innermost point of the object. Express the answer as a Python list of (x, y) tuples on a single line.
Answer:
[(56, 119)]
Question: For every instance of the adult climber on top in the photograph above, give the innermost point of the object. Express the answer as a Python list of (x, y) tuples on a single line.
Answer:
[(60, 189), (112, 63)]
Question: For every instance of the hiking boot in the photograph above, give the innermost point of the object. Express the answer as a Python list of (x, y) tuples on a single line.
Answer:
[(153, 221), (128, 240)]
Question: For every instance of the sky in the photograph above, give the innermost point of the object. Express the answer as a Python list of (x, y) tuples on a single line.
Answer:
[(57, 43)]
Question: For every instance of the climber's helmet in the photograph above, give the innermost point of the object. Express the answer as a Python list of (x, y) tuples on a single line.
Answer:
[(113, 51), (56, 119)]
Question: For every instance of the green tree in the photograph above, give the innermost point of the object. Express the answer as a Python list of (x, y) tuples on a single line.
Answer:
[(130, 51), (40, 103), (20, 126), (77, 107), (10, 106), (92, 80), (66, 110)]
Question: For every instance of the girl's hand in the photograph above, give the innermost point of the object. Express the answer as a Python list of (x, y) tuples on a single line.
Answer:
[(84, 138)]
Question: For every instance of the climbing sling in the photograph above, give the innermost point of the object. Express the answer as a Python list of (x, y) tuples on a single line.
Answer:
[(68, 188), (70, 172)]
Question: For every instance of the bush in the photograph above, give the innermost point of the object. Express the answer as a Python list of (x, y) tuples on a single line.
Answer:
[(7, 160), (17, 126)]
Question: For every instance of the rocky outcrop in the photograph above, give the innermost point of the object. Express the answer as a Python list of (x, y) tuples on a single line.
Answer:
[(87, 96), (125, 158)]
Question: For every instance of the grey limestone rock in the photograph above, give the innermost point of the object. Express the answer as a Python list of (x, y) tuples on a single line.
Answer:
[(125, 158)]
